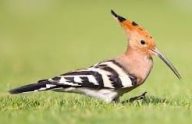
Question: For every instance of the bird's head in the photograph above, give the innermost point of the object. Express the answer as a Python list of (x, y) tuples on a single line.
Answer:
[(141, 41)]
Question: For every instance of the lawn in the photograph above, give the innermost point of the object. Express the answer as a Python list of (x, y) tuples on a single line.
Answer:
[(40, 39)]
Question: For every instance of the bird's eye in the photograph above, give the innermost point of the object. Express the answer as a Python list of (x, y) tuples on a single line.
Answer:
[(142, 42)]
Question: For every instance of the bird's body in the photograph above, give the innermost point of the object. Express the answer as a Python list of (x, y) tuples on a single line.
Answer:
[(109, 79), (106, 80)]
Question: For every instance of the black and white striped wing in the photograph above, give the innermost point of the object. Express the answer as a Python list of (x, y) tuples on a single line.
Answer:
[(104, 75), (108, 74)]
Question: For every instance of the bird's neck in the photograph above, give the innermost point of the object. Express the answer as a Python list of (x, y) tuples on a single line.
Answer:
[(136, 63)]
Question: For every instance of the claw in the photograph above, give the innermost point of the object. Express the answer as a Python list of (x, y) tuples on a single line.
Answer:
[(142, 96)]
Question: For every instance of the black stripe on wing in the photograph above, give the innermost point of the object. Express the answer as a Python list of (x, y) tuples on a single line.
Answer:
[(45, 82), (85, 82), (120, 66), (132, 77), (113, 77)]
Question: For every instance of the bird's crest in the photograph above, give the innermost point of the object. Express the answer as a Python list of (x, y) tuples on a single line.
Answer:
[(131, 26)]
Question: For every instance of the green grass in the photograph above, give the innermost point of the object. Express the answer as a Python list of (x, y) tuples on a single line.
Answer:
[(41, 39)]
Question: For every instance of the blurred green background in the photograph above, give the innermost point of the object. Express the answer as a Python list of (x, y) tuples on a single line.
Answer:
[(43, 38)]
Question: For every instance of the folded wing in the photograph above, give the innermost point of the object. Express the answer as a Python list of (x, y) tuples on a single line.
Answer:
[(104, 75)]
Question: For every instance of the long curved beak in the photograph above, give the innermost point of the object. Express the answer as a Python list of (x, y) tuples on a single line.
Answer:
[(167, 62)]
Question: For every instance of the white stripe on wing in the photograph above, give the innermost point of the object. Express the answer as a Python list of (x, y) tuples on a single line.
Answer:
[(126, 81)]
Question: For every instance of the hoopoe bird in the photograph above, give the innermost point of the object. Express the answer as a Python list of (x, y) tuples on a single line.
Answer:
[(110, 79)]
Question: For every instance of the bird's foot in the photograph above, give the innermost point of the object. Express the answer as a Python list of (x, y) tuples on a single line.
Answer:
[(140, 97)]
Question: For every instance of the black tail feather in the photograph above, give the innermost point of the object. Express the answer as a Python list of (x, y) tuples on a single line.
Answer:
[(40, 86), (26, 88)]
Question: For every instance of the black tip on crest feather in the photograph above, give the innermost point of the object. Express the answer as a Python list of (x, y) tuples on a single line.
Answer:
[(120, 18)]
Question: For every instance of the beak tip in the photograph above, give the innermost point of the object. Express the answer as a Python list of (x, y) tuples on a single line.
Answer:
[(167, 62), (180, 78)]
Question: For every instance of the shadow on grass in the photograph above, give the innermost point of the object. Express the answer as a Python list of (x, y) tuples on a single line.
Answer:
[(148, 100)]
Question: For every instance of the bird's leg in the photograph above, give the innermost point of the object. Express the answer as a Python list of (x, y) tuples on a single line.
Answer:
[(116, 100), (142, 96)]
